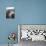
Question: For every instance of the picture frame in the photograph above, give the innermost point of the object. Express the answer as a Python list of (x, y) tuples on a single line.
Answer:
[(10, 12)]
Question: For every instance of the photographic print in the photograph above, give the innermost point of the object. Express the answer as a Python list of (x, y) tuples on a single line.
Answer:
[(29, 34), (10, 12)]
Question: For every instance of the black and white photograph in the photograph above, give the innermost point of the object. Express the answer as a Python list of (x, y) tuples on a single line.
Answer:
[(10, 12), (31, 34)]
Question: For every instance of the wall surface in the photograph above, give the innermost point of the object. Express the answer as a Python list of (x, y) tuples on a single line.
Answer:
[(31, 11), (6, 25), (27, 12)]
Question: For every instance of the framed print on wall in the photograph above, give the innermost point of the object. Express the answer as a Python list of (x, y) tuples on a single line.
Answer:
[(10, 12)]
